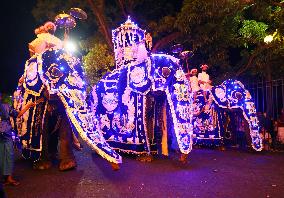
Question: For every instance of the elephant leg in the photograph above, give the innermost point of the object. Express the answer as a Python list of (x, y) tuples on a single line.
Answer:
[(44, 162), (52, 145), (66, 156)]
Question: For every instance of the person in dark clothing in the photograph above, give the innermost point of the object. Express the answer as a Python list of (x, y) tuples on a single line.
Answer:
[(2, 192), (267, 127), (242, 129), (6, 143), (274, 135)]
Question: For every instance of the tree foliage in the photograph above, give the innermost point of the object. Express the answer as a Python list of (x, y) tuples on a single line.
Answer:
[(97, 61), (226, 34)]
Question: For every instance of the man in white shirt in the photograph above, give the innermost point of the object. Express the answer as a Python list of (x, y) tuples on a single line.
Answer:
[(45, 39), (194, 82), (204, 81)]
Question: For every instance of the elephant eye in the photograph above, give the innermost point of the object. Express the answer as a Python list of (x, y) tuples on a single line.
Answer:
[(166, 72), (56, 72), (238, 95)]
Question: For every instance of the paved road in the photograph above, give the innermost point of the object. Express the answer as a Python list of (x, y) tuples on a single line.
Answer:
[(209, 173)]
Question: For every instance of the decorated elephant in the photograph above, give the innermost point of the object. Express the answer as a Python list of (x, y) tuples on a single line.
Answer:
[(125, 100), (208, 123), (54, 82), (121, 102)]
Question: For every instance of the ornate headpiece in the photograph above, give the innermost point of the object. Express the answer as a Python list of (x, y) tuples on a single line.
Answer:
[(127, 39)]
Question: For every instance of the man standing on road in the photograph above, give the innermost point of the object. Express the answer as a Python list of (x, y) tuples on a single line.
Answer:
[(6, 143)]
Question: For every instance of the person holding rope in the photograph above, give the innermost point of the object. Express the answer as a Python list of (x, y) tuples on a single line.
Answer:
[(6, 141)]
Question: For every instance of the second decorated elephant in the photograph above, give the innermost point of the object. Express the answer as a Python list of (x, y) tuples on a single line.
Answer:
[(123, 99)]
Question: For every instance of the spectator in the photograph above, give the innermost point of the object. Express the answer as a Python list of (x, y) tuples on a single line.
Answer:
[(274, 135), (2, 193), (267, 129), (280, 125), (6, 144), (242, 133)]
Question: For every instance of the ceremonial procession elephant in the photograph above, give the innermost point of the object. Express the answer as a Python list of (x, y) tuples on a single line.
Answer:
[(54, 82), (208, 123), (124, 103)]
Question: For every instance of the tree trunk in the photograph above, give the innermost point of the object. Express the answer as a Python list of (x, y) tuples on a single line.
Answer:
[(103, 26), (122, 7), (164, 41)]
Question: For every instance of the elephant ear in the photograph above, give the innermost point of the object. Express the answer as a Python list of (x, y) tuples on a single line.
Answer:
[(219, 95), (163, 69), (138, 77), (32, 82)]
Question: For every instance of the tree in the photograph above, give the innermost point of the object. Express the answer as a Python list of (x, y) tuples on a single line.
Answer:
[(229, 34), (98, 61), (226, 34), (97, 45)]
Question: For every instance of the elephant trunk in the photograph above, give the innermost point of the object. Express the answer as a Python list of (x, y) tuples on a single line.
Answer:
[(84, 123), (178, 99)]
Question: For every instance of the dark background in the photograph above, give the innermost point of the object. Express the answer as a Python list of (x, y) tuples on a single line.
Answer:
[(17, 30)]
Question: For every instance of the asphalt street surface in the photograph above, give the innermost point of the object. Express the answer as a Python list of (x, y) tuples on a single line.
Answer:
[(208, 173)]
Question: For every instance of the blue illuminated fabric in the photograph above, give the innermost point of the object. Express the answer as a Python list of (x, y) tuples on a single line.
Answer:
[(61, 74), (207, 121), (119, 103)]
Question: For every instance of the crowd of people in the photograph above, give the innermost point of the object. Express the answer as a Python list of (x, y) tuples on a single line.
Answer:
[(237, 130), (272, 130)]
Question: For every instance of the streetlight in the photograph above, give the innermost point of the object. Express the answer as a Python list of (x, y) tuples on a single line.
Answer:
[(268, 39)]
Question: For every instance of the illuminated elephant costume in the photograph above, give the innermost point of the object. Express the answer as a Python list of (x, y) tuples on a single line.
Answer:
[(55, 78), (123, 99), (208, 121)]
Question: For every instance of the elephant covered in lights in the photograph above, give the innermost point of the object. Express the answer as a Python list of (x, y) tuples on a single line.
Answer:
[(208, 121), (129, 102), (53, 81)]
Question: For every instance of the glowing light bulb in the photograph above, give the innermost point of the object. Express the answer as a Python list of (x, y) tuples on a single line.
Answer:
[(70, 46)]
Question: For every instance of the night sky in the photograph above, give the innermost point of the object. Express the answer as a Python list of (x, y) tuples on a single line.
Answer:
[(17, 30)]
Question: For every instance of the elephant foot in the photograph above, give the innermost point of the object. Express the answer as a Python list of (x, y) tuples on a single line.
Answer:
[(42, 165), (114, 166), (67, 164), (183, 158), (145, 158)]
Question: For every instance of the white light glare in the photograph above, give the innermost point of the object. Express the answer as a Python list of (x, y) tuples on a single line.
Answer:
[(70, 46)]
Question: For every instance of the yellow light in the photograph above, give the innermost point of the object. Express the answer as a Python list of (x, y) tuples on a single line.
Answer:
[(268, 39)]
